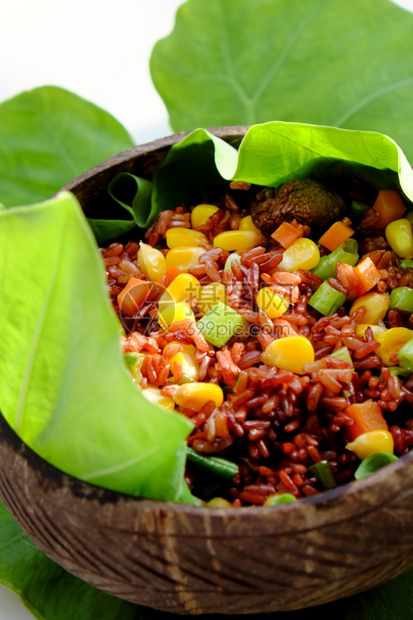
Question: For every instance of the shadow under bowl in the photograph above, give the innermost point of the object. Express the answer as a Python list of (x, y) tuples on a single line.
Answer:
[(193, 560)]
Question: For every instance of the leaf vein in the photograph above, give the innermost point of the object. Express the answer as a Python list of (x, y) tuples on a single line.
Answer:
[(232, 77), (384, 90), (51, 133), (36, 339), (11, 541), (291, 43)]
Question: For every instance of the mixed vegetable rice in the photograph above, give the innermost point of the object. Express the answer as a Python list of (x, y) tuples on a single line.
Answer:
[(280, 321)]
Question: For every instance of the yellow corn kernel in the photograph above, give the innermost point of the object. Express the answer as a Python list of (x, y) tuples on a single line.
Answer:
[(376, 305), (201, 214), (370, 442), (151, 262), (186, 358), (172, 313), (218, 502), (391, 341), (301, 254), (273, 304), (184, 257), (178, 237), (289, 353), (153, 394), (237, 240), (376, 329), (196, 395), (183, 287), (247, 224), (400, 237), (210, 295)]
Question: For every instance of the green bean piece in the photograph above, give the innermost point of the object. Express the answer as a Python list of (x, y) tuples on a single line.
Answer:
[(405, 356), (134, 363), (326, 267), (230, 260), (373, 463), (358, 209), (343, 354), (399, 372), (407, 263), (402, 299), (351, 246), (284, 498), (186, 379), (213, 464), (322, 471), (326, 299)]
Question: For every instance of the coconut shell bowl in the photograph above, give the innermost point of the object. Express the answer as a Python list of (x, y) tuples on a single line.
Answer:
[(196, 560)]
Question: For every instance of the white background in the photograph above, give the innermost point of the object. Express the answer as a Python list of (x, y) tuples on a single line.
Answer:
[(99, 50)]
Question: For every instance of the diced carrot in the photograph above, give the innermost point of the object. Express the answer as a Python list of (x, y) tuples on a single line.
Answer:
[(368, 276), (286, 234), (390, 206), (337, 234), (171, 273), (130, 299), (367, 417)]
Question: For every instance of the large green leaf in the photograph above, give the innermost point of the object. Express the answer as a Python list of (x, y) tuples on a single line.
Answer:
[(65, 389), (48, 136), (46, 589), (191, 168), (235, 62), (272, 153), (391, 600), (133, 194)]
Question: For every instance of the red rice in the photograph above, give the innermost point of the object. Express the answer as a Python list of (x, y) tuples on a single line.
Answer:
[(275, 424)]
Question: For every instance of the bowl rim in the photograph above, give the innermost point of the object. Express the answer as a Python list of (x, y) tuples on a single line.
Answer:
[(331, 498), (158, 144)]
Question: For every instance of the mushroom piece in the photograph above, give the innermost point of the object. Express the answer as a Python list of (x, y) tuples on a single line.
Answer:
[(306, 200)]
